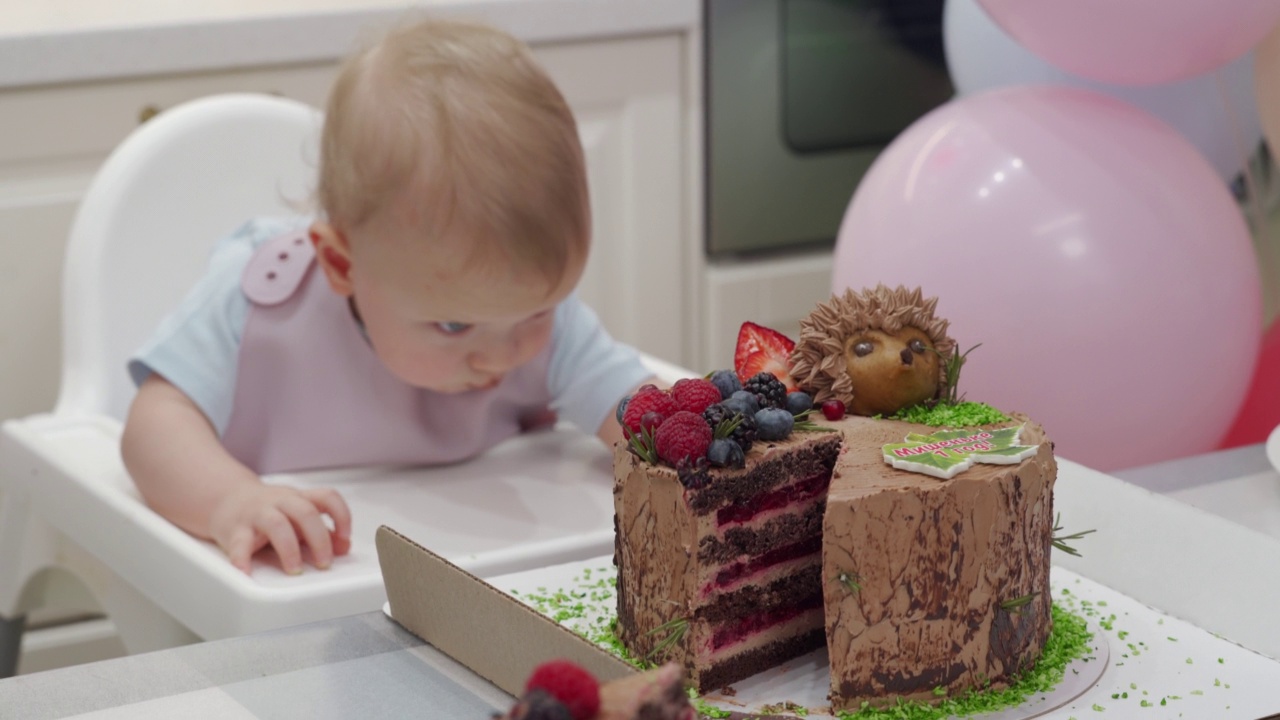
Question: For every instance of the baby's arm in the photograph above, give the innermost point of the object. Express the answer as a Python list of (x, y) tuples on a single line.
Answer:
[(185, 474)]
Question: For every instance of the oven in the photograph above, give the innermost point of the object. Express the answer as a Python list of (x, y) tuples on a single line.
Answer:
[(801, 97)]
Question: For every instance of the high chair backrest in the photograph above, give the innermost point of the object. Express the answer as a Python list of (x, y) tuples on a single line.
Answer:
[(143, 232)]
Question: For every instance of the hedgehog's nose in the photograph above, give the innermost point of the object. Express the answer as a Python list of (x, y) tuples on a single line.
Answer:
[(906, 356)]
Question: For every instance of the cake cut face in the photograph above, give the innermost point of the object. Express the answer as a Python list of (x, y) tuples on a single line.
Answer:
[(721, 570), (917, 555)]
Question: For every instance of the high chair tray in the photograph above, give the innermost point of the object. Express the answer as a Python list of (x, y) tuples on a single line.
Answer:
[(543, 498)]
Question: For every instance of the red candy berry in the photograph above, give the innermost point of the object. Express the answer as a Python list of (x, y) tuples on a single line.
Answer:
[(683, 435), (569, 684), (648, 399), (695, 395), (833, 409)]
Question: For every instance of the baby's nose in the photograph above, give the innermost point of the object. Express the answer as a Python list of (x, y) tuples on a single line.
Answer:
[(496, 357)]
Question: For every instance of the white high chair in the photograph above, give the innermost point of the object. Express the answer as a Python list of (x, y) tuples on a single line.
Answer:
[(140, 239)]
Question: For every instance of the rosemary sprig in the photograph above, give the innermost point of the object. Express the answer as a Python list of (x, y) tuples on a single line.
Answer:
[(802, 422), (1016, 604), (641, 444), (675, 628), (952, 365), (1060, 541), (726, 426), (851, 580)]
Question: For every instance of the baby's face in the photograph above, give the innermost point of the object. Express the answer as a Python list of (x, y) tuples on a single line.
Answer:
[(441, 326)]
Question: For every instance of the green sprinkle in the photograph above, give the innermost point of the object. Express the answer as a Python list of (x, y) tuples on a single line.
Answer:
[(1197, 692), (959, 415), (1221, 661), (1172, 639), (1144, 703), (1163, 702), (590, 610), (1189, 661), (1098, 708), (1133, 686)]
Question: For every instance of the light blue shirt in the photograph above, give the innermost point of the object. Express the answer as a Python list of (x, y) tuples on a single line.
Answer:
[(196, 347)]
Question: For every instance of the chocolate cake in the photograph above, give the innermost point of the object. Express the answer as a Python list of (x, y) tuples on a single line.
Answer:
[(918, 555)]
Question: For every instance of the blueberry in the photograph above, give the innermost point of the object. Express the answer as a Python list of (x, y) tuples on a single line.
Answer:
[(753, 403), (727, 382), (622, 408), (726, 453), (798, 402), (773, 424)]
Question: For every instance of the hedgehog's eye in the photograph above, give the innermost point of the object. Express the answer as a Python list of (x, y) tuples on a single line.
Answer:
[(863, 348), (917, 346)]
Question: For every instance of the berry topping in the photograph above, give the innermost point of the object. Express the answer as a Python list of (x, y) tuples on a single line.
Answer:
[(743, 424), (773, 424), (576, 688), (760, 350), (769, 390), (833, 409), (743, 402), (650, 421), (727, 382), (695, 395), (539, 705), (646, 400), (799, 402), (726, 453), (622, 408), (683, 436)]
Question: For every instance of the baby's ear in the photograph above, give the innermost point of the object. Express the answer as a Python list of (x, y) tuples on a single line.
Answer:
[(334, 255)]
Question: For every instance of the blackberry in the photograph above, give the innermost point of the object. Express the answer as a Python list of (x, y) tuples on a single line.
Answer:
[(744, 434), (770, 392)]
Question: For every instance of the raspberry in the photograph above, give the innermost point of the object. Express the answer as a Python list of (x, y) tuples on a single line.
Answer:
[(569, 684), (695, 395), (683, 436), (646, 400)]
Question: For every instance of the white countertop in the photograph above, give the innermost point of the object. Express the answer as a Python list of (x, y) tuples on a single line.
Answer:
[(62, 41)]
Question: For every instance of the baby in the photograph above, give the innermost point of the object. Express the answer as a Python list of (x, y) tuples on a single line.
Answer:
[(425, 315)]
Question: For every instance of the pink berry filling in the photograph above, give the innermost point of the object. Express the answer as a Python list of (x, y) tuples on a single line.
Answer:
[(799, 491)]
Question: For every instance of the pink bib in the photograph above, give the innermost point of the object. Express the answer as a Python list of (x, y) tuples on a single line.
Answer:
[(310, 393)]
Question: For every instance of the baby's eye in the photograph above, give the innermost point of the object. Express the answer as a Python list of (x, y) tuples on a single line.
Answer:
[(452, 328)]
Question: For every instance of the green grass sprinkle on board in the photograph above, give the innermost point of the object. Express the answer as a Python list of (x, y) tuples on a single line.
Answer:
[(588, 608)]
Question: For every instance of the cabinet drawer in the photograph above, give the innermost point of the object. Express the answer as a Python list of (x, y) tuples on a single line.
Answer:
[(65, 122)]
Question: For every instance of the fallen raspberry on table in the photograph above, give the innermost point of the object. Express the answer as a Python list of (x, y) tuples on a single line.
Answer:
[(684, 435), (646, 400), (695, 395), (569, 684)]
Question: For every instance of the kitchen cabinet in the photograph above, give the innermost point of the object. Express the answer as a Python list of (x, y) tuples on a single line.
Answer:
[(775, 292)]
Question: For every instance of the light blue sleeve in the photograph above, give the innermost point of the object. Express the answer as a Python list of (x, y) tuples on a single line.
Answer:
[(589, 371), (196, 347)]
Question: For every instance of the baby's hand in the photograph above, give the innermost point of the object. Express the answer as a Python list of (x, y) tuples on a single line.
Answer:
[(284, 518)]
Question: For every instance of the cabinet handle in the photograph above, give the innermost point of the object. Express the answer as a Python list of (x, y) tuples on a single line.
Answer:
[(147, 112)]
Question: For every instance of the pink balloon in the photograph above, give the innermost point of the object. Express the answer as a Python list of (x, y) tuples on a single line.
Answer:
[(1136, 42), (1098, 258)]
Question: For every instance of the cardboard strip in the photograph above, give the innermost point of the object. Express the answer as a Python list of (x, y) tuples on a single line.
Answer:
[(494, 635)]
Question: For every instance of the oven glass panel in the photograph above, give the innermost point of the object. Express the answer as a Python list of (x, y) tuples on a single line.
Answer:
[(855, 73)]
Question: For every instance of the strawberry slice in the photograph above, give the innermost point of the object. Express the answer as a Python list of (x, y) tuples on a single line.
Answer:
[(761, 349)]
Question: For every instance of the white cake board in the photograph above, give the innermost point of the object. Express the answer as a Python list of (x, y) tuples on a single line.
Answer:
[(804, 681)]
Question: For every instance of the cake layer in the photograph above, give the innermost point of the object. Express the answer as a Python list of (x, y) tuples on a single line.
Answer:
[(802, 520), (758, 659)]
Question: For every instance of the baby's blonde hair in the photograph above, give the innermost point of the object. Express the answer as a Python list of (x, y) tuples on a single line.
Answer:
[(459, 119)]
